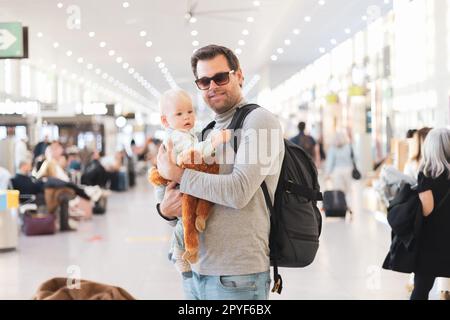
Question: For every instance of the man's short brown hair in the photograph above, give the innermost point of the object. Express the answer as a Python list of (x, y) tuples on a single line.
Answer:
[(210, 52)]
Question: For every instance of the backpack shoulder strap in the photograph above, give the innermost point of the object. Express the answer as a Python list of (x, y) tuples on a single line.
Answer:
[(209, 127), (239, 116), (238, 120)]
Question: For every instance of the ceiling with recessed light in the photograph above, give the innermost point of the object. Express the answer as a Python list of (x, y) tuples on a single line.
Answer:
[(144, 46)]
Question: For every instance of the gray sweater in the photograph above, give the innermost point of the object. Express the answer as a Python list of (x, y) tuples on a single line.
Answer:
[(236, 239)]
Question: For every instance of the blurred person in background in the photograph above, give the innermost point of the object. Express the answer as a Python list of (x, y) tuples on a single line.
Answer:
[(39, 149), (415, 143), (95, 174), (25, 183), (54, 163), (434, 193), (308, 143), (21, 152), (339, 164)]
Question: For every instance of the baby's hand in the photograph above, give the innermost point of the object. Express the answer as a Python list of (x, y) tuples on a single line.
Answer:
[(221, 137)]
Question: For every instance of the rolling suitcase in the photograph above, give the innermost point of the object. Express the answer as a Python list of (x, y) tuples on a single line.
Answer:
[(334, 204)]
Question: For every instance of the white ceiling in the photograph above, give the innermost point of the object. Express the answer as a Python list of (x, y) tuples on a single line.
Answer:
[(170, 34)]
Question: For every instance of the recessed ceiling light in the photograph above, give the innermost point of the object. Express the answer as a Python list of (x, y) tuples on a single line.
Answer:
[(90, 66), (91, 34), (98, 71), (321, 2), (280, 50), (130, 71), (245, 32), (287, 42), (63, 71), (143, 33), (347, 31), (195, 43), (322, 50), (158, 59), (40, 34), (241, 42), (80, 60), (105, 75), (111, 52), (119, 59), (193, 20), (125, 4), (296, 31), (125, 65), (307, 19), (364, 18), (250, 19), (256, 3), (59, 5), (102, 44), (333, 41), (274, 58), (55, 45), (194, 33), (69, 53), (238, 51), (161, 65), (164, 70), (149, 44)]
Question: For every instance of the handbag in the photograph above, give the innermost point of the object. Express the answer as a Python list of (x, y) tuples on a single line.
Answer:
[(355, 172), (35, 224)]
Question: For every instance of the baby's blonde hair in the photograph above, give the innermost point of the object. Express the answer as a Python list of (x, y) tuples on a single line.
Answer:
[(169, 96)]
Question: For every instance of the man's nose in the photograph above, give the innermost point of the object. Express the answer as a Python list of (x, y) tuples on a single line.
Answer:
[(213, 85)]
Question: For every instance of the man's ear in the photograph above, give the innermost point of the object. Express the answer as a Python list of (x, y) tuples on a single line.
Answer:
[(240, 77), (164, 121)]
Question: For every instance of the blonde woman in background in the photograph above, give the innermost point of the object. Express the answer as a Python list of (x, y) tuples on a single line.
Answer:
[(339, 164)]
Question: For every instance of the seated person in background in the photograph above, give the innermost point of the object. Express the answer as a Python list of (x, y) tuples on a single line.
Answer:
[(95, 174), (73, 159), (23, 181), (54, 163)]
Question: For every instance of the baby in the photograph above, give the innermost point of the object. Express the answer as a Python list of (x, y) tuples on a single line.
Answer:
[(178, 117)]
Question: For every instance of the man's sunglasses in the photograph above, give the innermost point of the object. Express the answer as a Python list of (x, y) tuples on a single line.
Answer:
[(220, 79)]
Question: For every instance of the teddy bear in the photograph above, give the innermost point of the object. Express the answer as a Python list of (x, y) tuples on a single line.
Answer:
[(195, 211)]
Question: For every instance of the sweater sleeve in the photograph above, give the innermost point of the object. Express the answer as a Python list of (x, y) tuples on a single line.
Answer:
[(424, 183), (258, 155)]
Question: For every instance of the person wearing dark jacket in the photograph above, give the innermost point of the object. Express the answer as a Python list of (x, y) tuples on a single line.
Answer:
[(23, 181), (94, 173), (433, 258)]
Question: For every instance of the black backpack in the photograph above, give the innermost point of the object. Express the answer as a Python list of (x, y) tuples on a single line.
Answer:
[(296, 222)]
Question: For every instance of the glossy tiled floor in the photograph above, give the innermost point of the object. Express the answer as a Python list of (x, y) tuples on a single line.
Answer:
[(127, 247)]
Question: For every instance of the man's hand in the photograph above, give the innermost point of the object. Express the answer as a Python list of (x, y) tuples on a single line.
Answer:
[(170, 206), (167, 167)]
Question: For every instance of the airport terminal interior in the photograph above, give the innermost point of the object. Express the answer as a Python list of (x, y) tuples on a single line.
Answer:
[(360, 85)]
